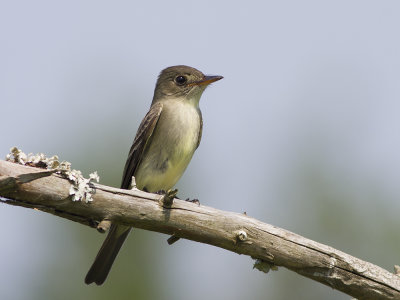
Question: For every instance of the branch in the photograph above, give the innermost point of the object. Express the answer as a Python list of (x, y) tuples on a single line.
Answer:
[(46, 191)]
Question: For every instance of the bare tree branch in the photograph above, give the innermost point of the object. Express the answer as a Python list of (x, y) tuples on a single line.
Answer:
[(49, 192)]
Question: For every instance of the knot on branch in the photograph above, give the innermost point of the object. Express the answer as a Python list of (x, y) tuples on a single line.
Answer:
[(103, 226), (241, 235), (172, 239), (397, 270), (264, 266)]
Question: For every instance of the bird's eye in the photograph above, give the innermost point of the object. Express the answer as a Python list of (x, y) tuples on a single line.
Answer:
[(180, 80)]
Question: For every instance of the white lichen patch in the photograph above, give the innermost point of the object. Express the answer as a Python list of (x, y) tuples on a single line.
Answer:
[(81, 188)]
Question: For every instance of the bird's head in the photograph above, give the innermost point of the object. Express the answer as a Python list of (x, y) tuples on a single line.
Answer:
[(182, 82)]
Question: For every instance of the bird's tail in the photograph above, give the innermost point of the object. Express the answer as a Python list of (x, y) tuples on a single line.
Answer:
[(107, 253)]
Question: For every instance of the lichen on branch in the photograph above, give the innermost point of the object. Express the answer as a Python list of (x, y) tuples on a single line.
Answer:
[(81, 188)]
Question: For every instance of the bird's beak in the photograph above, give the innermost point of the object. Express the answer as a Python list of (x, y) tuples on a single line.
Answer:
[(207, 80)]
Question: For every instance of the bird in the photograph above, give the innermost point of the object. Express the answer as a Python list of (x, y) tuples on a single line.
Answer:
[(163, 146)]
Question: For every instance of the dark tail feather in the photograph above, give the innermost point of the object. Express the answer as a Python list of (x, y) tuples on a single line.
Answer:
[(106, 256)]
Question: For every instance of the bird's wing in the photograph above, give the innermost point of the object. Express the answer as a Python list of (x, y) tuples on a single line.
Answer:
[(143, 135), (200, 131)]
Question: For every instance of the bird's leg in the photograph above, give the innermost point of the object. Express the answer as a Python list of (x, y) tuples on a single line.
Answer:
[(168, 197), (172, 193), (167, 201)]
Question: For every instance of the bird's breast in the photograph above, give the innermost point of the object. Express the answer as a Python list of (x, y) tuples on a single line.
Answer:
[(171, 147)]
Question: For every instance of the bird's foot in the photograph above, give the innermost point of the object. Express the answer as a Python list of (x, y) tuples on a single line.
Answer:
[(168, 198), (196, 201)]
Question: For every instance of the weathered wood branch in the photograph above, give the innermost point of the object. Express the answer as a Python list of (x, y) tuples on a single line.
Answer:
[(49, 192)]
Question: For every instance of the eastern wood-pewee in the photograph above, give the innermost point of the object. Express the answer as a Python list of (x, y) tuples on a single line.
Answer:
[(163, 147)]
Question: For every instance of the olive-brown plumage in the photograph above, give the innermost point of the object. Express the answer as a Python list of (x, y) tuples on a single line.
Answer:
[(163, 147)]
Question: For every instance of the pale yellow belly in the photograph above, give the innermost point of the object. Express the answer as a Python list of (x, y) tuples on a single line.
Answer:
[(170, 150)]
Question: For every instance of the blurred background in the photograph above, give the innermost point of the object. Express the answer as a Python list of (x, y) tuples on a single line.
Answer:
[(302, 133)]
